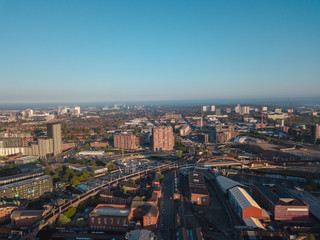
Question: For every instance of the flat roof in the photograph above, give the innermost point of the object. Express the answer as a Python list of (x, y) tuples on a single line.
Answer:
[(243, 198), (111, 211), (27, 158), (24, 182), (27, 213)]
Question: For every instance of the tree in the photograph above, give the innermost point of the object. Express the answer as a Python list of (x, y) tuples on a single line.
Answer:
[(132, 181), (65, 178), (110, 166), (75, 181), (124, 189), (93, 172), (311, 237), (47, 171), (179, 153), (63, 220), (161, 177), (308, 188), (70, 212)]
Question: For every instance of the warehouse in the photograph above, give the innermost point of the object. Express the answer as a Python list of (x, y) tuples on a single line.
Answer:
[(243, 203), (198, 189), (225, 183), (281, 203)]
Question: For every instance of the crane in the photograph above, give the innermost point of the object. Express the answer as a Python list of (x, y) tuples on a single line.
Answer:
[(261, 117), (290, 113)]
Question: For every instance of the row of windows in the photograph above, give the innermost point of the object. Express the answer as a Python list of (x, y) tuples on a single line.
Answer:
[(111, 221)]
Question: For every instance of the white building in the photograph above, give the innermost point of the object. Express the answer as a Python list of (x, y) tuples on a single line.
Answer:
[(213, 108), (204, 108)]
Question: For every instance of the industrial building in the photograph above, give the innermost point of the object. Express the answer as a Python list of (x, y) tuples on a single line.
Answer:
[(198, 189), (281, 203), (243, 204), (225, 183), (110, 217), (32, 188)]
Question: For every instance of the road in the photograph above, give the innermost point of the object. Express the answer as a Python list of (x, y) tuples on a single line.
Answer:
[(169, 210)]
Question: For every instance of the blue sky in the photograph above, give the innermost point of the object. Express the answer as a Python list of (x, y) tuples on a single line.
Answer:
[(78, 51)]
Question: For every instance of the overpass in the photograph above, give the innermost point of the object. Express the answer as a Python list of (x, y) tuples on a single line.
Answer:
[(219, 161)]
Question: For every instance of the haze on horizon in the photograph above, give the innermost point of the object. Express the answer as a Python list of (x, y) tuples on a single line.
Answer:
[(80, 51)]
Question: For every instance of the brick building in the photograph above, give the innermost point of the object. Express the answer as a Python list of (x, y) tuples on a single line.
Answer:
[(131, 187), (116, 197), (99, 144), (125, 141), (148, 211), (25, 218), (281, 203), (110, 217), (198, 189), (162, 139)]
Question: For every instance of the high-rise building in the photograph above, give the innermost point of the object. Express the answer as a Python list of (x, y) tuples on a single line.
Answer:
[(204, 108), (245, 110), (45, 147), (315, 131), (54, 132), (125, 141), (228, 110), (162, 139), (213, 108), (77, 111), (237, 108)]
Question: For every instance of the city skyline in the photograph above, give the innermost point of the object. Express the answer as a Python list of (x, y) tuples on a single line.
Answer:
[(152, 51)]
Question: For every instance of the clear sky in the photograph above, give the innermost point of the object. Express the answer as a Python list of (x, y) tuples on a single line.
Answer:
[(131, 50)]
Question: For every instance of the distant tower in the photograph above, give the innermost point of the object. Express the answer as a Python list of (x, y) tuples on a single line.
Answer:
[(54, 132)]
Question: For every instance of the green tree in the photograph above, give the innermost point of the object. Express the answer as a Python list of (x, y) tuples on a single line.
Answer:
[(311, 237), (124, 189), (179, 153), (93, 172), (161, 177), (132, 181), (70, 212), (47, 171), (63, 220), (308, 188), (110, 166), (65, 178)]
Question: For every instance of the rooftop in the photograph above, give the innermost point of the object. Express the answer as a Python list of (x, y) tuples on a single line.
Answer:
[(243, 198), (227, 183), (111, 211), (17, 184)]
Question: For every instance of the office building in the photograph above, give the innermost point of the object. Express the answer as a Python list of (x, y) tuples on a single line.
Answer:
[(125, 141), (203, 137), (54, 132), (213, 108), (162, 139)]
